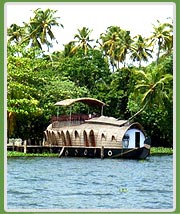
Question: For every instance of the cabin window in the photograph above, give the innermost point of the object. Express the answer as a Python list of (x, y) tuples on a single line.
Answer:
[(68, 138), (76, 135), (137, 139), (54, 139), (92, 138), (85, 139), (103, 138), (50, 137), (59, 138), (59, 135), (113, 138), (63, 138)]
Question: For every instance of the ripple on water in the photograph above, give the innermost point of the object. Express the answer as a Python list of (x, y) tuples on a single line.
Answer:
[(79, 183)]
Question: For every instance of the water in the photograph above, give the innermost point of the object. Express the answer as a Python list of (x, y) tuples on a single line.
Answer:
[(79, 183)]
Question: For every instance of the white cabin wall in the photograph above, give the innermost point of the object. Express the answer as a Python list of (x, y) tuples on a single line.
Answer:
[(131, 133)]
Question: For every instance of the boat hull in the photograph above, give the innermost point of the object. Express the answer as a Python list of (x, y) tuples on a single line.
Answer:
[(92, 152)]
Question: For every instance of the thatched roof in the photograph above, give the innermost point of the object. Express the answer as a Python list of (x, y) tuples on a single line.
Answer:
[(107, 120), (88, 101), (99, 129)]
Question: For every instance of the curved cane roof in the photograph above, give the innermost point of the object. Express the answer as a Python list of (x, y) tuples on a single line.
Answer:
[(108, 130), (87, 100)]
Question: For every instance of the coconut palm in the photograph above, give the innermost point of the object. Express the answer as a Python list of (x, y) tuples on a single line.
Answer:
[(83, 40), (15, 33), (69, 49), (124, 46), (110, 40), (140, 51), (162, 38), (153, 86), (40, 28), (116, 43)]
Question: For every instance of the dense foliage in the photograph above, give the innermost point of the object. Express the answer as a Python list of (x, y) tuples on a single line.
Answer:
[(110, 70)]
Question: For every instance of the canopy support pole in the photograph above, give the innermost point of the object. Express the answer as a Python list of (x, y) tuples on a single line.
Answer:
[(58, 113), (70, 115), (102, 110)]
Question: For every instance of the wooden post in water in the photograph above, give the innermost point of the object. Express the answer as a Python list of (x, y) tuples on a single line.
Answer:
[(25, 146), (13, 145)]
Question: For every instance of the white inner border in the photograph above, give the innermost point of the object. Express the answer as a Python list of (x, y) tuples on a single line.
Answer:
[(174, 111)]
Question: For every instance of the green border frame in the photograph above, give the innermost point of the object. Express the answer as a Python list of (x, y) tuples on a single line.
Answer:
[(2, 66)]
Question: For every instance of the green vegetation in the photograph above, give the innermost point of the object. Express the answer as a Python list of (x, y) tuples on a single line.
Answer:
[(22, 154), (161, 151), (110, 69)]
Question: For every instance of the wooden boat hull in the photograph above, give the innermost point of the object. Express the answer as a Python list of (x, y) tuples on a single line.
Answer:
[(134, 153)]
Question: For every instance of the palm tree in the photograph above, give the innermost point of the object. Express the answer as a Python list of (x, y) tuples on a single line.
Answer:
[(153, 88), (140, 50), (83, 40), (162, 37), (110, 40), (123, 46), (69, 49), (116, 43), (40, 28), (15, 33)]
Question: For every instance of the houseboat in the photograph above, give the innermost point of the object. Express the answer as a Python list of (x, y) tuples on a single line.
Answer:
[(93, 136)]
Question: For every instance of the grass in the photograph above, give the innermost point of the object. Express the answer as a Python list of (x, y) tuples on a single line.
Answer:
[(22, 154), (161, 151)]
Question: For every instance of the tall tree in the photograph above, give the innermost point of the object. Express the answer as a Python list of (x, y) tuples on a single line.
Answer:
[(15, 33), (83, 40), (85, 71), (39, 29), (69, 49), (123, 46), (162, 38), (153, 87), (116, 44), (109, 42), (140, 51)]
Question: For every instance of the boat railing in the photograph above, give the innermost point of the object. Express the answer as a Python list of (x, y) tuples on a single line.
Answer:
[(72, 120)]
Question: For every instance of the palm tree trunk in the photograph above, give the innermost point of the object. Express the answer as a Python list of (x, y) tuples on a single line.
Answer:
[(137, 113), (158, 53), (133, 116), (118, 64)]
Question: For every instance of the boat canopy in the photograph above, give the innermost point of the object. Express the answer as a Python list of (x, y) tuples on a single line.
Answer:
[(88, 101)]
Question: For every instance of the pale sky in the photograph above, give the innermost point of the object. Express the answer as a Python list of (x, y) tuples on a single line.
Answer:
[(136, 17)]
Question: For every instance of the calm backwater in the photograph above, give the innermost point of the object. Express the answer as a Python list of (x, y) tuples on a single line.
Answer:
[(79, 183)]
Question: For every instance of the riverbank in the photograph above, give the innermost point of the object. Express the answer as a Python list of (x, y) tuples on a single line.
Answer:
[(22, 154), (161, 151), (154, 151)]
